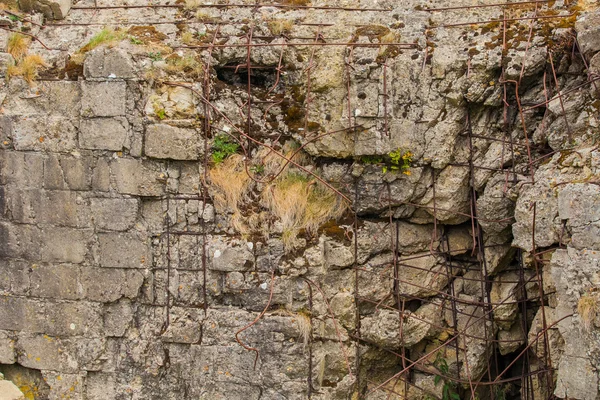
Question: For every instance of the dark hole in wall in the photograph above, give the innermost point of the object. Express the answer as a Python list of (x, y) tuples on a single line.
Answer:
[(28, 380), (260, 76)]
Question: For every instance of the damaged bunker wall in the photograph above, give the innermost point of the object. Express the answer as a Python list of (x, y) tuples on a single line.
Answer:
[(299, 199)]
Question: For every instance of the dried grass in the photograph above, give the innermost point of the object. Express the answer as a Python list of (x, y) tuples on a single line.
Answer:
[(17, 46), (28, 68), (280, 26), (187, 65), (301, 204), (298, 202), (588, 308), (303, 322), (187, 37), (230, 183)]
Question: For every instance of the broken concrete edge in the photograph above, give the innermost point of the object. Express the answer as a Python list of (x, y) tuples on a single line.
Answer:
[(52, 9)]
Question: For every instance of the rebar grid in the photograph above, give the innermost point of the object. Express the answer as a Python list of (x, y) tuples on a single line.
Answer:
[(454, 266)]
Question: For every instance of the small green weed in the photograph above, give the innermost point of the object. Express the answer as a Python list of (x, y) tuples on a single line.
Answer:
[(223, 147), (257, 169), (160, 113), (135, 40), (399, 161), (105, 36), (14, 18), (371, 160), (449, 388), (155, 56)]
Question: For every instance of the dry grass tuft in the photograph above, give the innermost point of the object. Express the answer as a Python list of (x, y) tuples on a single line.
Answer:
[(295, 2), (302, 320), (17, 46), (230, 183), (192, 4), (187, 65), (280, 26), (301, 204), (588, 308), (187, 37), (28, 68)]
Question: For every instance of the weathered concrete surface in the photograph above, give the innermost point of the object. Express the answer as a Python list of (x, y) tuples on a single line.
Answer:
[(120, 277)]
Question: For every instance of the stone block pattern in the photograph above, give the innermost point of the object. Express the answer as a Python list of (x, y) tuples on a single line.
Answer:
[(123, 277)]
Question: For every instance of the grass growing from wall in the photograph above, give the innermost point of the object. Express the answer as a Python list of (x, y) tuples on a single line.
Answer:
[(300, 204), (294, 200), (25, 65)]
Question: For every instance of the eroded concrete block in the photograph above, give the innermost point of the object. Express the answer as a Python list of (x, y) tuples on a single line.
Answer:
[(114, 214), (137, 177), (165, 141), (103, 99), (108, 63), (8, 391), (52, 9), (123, 250), (104, 133)]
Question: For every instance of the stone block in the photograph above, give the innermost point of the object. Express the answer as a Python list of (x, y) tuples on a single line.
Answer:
[(103, 99), (108, 63), (68, 172), (100, 386), (230, 257), (21, 205), (114, 214), (588, 32), (59, 319), (110, 284), (64, 245), (20, 241), (10, 391), (52, 9), (123, 250), (7, 349), (104, 133), (14, 277), (64, 208), (55, 281), (24, 169), (44, 352), (61, 383), (59, 99), (117, 318), (165, 141), (53, 134), (137, 177)]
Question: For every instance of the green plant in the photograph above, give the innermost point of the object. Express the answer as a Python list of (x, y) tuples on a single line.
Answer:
[(257, 169), (160, 113), (14, 18), (223, 147), (449, 388), (399, 161), (135, 40), (155, 56), (105, 36), (371, 159)]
